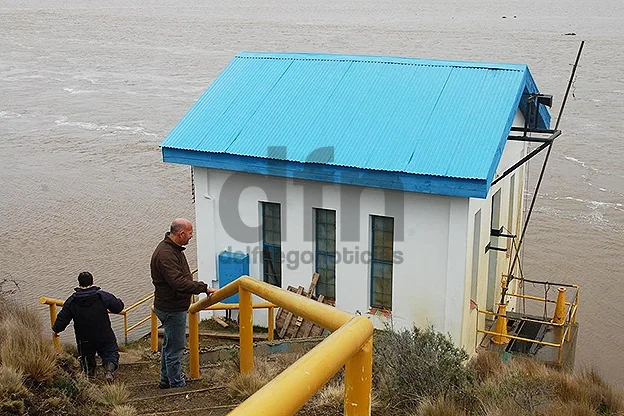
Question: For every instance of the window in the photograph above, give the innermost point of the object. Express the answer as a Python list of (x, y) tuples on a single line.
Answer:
[(476, 243), (512, 198), (271, 243), (493, 279), (382, 236), (326, 252)]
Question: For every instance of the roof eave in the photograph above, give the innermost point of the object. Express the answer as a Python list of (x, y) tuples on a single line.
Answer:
[(342, 175)]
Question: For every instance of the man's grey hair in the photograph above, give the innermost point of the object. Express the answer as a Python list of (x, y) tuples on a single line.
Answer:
[(178, 224)]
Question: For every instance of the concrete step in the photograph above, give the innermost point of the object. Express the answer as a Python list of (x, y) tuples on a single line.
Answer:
[(198, 397)]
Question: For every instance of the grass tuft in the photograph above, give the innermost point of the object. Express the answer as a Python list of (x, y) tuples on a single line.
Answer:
[(439, 406), (243, 386), (27, 351), (11, 381), (111, 394), (124, 410)]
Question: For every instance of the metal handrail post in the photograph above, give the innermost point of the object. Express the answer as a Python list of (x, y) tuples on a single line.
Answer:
[(309, 373), (246, 331), (271, 323), (125, 317), (193, 318), (56, 339), (154, 330), (358, 381)]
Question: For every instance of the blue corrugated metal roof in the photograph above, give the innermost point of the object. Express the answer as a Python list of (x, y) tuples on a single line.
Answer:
[(419, 117)]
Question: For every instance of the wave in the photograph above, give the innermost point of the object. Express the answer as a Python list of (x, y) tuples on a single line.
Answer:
[(588, 167), (9, 114), (617, 205), (580, 162), (101, 127), (73, 91)]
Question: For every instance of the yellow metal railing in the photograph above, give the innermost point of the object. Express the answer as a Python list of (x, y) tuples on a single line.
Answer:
[(261, 305), (141, 322), (564, 317), (350, 345), (53, 303)]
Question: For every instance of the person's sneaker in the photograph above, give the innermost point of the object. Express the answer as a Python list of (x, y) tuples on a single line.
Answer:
[(108, 376), (182, 383), (163, 385), (109, 368)]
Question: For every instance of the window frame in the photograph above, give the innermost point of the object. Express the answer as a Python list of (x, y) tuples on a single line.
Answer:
[(379, 259), (321, 217), (271, 247)]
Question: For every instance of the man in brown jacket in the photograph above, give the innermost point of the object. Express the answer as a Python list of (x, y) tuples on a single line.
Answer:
[(173, 287)]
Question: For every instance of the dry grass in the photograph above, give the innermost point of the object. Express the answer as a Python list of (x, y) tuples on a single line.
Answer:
[(70, 349), (32, 381), (114, 394), (282, 361), (525, 387), (27, 351), (11, 380), (244, 385), (588, 388), (486, 365), (23, 316), (329, 401), (124, 410), (440, 406), (569, 409), (12, 407), (332, 395)]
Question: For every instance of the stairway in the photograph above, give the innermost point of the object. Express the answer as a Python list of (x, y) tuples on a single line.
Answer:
[(198, 397)]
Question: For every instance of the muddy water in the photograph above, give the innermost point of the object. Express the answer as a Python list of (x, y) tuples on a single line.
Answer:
[(88, 91)]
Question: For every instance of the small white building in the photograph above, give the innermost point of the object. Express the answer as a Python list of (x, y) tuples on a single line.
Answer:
[(379, 173)]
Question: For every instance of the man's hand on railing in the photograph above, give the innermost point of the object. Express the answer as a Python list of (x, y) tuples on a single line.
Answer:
[(210, 291)]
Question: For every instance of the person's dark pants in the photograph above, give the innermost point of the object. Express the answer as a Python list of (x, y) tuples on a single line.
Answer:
[(109, 353), (174, 324)]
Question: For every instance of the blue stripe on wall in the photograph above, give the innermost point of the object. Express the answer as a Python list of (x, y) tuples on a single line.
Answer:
[(477, 188)]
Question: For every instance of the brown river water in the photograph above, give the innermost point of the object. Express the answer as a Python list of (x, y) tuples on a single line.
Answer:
[(88, 90)]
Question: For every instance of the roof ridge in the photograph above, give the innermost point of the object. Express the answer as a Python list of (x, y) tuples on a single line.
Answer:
[(388, 60)]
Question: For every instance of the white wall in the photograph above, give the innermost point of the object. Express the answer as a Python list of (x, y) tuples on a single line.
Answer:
[(432, 284), (428, 285), (514, 151)]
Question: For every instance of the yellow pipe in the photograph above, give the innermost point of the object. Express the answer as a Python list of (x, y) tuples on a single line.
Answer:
[(229, 306), (134, 305), (560, 307), (221, 294), (141, 322), (321, 314), (154, 331), (517, 295), (55, 338), (501, 326), (358, 381), (524, 319), (246, 331), (271, 323), (308, 374), (125, 328), (50, 301), (194, 344), (549, 344), (575, 305)]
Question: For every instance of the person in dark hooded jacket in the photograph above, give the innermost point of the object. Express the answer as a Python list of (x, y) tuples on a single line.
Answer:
[(88, 307)]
